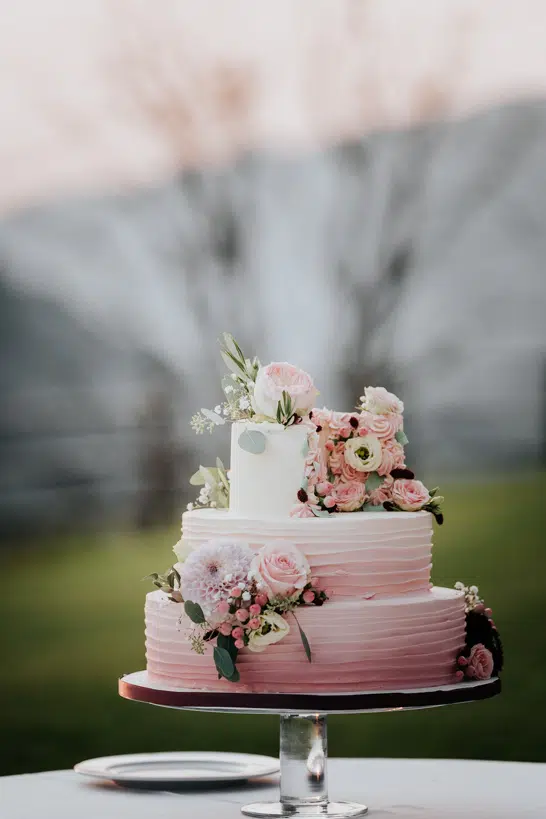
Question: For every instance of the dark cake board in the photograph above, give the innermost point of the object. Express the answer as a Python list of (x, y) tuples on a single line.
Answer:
[(138, 687)]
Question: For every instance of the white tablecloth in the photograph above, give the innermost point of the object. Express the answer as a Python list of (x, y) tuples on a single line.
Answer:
[(401, 788)]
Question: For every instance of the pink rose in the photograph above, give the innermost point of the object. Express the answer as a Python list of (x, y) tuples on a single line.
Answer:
[(480, 663), (377, 497), (383, 427), (349, 473), (349, 496), (279, 377), (392, 457), (380, 401), (280, 569), (337, 458), (409, 495)]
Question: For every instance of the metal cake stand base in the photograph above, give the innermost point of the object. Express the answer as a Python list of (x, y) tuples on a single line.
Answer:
[(303, 731)]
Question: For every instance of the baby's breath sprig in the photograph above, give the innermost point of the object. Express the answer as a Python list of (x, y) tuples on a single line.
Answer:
[(214, 483), (472, 597)]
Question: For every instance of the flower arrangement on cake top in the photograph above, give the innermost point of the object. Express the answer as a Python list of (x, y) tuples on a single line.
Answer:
[(278, 392), (358, 462), (241, 599)]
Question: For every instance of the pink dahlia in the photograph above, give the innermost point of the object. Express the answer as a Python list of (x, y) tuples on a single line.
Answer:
[(212, 570)]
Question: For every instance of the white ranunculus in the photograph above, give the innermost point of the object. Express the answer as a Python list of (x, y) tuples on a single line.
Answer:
[(278, 628), (381, 402), (279, 377), (182, 549), (363, 453)]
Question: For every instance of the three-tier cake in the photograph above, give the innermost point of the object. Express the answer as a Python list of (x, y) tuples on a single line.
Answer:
[(306, 567)]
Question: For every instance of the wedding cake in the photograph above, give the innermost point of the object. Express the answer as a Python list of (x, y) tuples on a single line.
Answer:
[(306, 566)]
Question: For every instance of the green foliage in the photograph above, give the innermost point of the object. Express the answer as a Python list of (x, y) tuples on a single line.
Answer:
[(251, 440), (194, 612)]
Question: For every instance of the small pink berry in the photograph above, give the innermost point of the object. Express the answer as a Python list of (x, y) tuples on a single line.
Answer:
[(346, 432), (480, 608), (254, 623), (236, 592), (223, 607), (315, 582), (329, 502), (225, 629), (309, 596), (237, 633), (459, 675), (363, 431), (241, 615), (329, 446), (239, 643), (255, 609), (462, 661), (261, 599), (488, 612)]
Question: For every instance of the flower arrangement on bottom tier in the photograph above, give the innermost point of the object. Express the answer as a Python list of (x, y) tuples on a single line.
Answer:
[(482, 656), (240, 599)]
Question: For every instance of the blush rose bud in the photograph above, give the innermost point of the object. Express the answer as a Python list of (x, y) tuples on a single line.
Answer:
[(255, 608), (237, 633), (241, 615), (254, 623), (239, 643), (261, 600), (309, 596)]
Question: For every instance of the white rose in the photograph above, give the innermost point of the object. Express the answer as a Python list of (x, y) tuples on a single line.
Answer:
[(363, 453), (182, 549), (278, 628), (381, 402), (279, 377)]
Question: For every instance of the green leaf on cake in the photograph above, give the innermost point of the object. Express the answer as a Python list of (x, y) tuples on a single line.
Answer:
[(194, 612), (373, 481), (228, 643), (369, 507), (304, 640), (305, 448), (224, 664), (251, 440), (401, 437), (219, 465), (197, 479)]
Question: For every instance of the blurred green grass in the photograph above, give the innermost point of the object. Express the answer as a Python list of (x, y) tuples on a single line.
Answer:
[(72, 622)]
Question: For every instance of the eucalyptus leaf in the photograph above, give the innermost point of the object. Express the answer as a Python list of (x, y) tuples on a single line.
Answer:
[(401, 437), (197, 479), (369, 507), (194, 612), (210, 474), (251, 440), (373, 481), (219, 465), (210, 415), (229, 644), (304, 640), (224, 664), (232, 364)]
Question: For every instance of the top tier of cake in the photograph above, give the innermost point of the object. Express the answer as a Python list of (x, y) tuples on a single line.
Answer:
[(264, 483)]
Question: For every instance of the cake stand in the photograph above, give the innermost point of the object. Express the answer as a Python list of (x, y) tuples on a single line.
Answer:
[(303, 737)]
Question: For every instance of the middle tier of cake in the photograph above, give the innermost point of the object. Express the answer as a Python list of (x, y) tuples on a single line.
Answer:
[(363, 555)]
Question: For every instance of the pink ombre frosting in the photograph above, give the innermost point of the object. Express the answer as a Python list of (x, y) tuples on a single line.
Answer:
[(358, 554), (404, 642)]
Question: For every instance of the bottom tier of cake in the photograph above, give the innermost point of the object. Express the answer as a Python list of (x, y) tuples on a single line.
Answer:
[(363, 645)]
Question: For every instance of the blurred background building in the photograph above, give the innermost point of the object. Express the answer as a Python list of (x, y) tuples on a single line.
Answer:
[(156, 193)]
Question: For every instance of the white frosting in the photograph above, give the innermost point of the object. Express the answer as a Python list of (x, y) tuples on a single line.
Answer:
[(265, 486)]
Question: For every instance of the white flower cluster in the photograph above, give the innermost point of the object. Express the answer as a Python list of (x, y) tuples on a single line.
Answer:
[(471, 596)]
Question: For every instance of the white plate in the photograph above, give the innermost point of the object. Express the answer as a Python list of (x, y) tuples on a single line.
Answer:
[(178, 768)]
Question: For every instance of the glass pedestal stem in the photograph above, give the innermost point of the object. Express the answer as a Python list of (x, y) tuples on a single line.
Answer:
[(304, 784)]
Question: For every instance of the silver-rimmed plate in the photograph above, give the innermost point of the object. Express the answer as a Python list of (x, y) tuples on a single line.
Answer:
[(181, 768)]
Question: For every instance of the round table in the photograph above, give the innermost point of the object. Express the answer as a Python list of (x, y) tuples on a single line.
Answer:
[(394, 788)]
